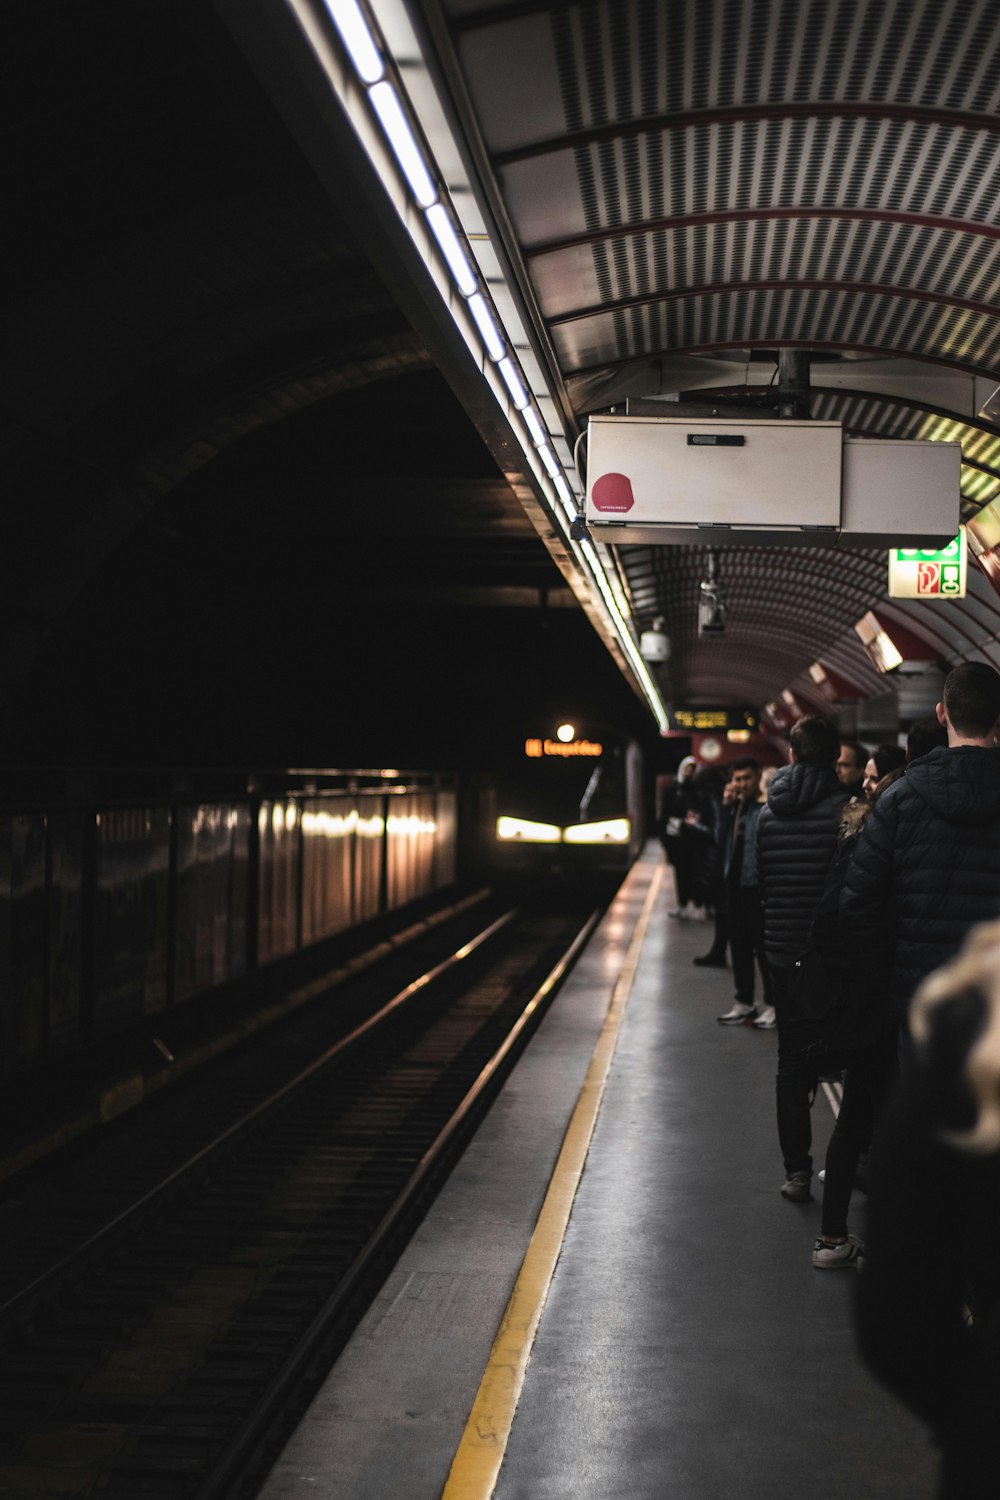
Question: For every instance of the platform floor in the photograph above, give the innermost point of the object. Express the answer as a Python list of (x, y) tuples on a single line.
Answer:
[(687, 1348)]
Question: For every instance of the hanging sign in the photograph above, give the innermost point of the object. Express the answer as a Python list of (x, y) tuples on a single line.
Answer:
[(684, 720), (928, 572)]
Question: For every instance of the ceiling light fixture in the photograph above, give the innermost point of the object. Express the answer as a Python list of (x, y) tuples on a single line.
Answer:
[(399, 134), (451, 248), (357, 39), (495, 346)]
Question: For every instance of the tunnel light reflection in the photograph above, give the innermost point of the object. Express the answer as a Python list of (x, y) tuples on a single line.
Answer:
[(410, 823), (329, 825)]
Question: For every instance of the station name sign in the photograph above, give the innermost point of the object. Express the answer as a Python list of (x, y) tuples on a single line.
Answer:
[(699, 719), (928, 572), (539, 749)]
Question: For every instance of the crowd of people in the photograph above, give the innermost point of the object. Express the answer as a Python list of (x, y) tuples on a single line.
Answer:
[(861, 890)]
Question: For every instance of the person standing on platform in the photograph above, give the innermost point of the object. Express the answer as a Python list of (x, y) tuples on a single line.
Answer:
[(677, 803), (924, 736), (741, 810), (927, 866), (851, 762), (796, 839)]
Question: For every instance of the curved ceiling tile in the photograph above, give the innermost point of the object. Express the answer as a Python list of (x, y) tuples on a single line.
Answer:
[(813, 319), (713, 178)]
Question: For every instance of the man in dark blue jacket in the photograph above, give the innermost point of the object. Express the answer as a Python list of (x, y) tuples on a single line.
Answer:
[(796, 840), (927, 866)]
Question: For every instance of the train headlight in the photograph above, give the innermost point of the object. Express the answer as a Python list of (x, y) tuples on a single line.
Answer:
[(526, 832), (611, 831)]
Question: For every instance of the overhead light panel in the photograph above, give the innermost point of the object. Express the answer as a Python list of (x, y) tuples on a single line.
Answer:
[(451, 248), (514, 383), (357, 39), (403, 142), (549, 460), (486, 323), (538, 433)]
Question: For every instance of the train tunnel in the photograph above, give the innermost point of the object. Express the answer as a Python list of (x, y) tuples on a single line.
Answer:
[(313, 310)]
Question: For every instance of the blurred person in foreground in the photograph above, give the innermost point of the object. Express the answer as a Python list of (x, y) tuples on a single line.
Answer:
[(928, 1306)]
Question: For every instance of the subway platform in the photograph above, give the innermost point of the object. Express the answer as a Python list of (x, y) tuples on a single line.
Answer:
[(610, 1298)]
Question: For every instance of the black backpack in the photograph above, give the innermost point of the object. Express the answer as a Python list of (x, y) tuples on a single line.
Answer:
[(824, 1027)]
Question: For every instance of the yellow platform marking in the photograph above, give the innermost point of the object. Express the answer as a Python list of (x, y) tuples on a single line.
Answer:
[(475, 1468)]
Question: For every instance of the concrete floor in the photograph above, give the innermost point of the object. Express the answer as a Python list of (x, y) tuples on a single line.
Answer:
[(687, 1349)]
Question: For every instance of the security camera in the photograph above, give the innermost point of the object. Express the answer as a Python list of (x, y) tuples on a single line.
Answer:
[(711, 614)]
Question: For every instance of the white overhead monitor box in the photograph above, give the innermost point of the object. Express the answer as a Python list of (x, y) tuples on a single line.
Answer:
[(679, 479), (684, 480), (904, 493)]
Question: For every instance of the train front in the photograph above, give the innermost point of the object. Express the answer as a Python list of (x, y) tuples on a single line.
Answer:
[(570, 799)]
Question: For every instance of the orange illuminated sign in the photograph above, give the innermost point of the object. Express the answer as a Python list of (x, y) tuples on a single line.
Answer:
[(538, 749)]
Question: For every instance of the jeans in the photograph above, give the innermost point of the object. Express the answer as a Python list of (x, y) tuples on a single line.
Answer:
[(795, 1085)]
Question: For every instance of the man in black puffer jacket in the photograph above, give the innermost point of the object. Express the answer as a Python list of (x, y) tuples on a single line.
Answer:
[(796, 839), (927, 867)]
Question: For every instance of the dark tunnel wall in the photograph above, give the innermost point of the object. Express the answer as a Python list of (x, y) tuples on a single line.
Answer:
[(294, 604)]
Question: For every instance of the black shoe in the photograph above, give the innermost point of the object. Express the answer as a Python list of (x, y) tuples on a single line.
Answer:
[(710, 961)]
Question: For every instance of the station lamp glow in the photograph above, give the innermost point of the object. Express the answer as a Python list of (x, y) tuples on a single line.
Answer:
[(566, 733)]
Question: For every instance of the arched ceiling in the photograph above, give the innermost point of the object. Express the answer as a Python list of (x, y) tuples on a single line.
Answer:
[(689, 188)]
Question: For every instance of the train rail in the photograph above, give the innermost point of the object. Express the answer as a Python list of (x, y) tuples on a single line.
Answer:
[(161, 1353)]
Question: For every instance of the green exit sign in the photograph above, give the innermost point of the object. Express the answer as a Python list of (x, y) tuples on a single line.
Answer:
[(928, 572)]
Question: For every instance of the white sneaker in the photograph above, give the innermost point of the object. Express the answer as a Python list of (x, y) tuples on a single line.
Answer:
[(827, 1257), (739, 1015), (698, 914), (677, 911), (766, 1021)]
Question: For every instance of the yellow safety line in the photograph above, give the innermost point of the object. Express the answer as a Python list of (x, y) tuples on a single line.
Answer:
[(476, 1465)]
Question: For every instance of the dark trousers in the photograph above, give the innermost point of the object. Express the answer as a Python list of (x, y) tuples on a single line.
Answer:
[(867, 1081), (746, 942), (794, 1087)]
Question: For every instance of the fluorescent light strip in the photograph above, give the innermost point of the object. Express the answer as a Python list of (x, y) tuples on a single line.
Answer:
[(357, 39), (566, 496), (403, 142), (451, 248), (514, 383), (624, 635), (534, 426), (549, 460), (495, 346)]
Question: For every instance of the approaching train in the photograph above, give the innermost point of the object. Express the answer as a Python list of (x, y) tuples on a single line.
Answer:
[(570, 798)]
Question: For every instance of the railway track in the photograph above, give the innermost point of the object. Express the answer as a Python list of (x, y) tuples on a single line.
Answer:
[(167, 1353)]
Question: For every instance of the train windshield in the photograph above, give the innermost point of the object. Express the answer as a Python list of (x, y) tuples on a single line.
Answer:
[(565, 790)]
